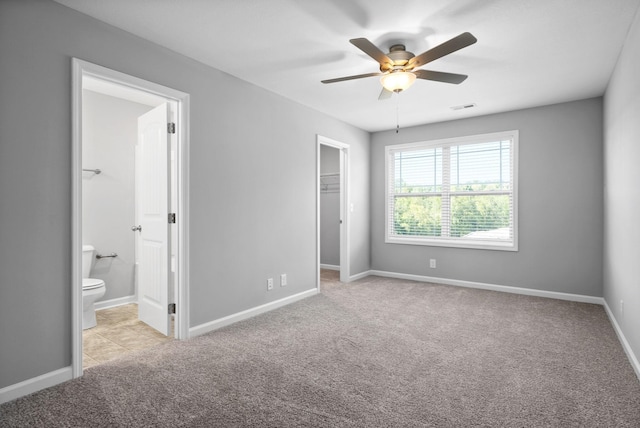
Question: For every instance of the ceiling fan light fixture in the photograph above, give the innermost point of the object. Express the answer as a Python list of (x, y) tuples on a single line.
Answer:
[(397, 81)]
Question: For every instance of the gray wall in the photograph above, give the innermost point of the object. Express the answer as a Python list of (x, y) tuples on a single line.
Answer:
[(330, 209), (621, 194), (560, 203), (110, 129), (253, 177)]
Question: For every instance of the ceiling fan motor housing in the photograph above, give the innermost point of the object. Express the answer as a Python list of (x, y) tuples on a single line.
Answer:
[(400, 57)]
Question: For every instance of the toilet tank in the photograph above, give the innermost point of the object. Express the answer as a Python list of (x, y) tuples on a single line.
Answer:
[(87, 259)]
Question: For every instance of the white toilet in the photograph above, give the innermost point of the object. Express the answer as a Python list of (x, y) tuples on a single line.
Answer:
[(92, 289)]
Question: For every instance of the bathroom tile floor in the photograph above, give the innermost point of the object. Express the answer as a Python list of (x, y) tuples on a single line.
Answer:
[(119, 332)]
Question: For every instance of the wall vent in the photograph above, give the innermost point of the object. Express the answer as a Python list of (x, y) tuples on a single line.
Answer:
[(464, 106)]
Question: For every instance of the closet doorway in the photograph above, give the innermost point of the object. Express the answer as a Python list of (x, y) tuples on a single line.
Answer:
[(333, 207)]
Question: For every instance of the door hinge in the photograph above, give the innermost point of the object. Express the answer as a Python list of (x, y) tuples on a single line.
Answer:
[(172, 217), (172, 308), (171, 128)]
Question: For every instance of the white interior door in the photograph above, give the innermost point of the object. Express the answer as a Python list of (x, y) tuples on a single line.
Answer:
[(152, 207)]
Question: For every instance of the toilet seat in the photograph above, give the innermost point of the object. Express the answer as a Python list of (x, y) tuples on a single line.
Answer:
[(91, 283)]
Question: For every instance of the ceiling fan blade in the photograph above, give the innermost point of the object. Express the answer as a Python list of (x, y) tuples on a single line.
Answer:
[(357, 76), (372, 50), (439, 76), (385, 94), (457, 43)]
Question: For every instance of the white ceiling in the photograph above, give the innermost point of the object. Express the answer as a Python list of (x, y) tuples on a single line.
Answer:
[(529, 52)]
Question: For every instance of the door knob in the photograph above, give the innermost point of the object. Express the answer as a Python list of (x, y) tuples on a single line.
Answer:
[(134, 228)]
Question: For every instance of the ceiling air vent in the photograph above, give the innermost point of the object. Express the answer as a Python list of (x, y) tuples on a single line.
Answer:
[(464, 106)]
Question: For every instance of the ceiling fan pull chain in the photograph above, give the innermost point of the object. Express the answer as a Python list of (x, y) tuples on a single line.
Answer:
[(397, 113)]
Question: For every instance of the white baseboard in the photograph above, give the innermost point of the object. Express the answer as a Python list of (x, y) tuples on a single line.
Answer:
[(249, 313), (112, 303), (483, 286), (360, 275), (623, 340), (35, 384), (64, 374), (352, 277), (633, 359)]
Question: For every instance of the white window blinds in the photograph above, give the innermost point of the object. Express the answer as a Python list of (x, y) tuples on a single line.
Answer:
[(455, 192)]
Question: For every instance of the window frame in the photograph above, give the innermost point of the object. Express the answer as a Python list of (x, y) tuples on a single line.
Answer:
[(475, 243)]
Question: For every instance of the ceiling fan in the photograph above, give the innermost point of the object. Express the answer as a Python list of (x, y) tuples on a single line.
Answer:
[(398, 68)]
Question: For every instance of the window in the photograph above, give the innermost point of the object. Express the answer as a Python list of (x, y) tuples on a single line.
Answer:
[(459, 192)]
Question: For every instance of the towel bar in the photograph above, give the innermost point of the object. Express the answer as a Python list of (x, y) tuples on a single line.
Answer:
[(100, 256)]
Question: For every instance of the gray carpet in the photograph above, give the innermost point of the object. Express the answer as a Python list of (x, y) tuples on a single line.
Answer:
[(374, 353)]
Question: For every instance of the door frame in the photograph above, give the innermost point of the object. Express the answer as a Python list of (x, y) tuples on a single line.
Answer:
[(345, 207), (80, 69)]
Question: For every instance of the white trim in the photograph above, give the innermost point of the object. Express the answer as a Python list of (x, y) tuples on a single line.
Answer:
[(62, 375), (35, 384), (249, 313), (633, 359), (476, 138), (472, 244), (181, 320), (481, 244), (493, 287), (82, 69), (329, 267), (623, 340), (76, 218), (112, 303), (360, 275), (345, 206)]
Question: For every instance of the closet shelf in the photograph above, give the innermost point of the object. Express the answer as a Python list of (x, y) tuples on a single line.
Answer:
[(330, 183)]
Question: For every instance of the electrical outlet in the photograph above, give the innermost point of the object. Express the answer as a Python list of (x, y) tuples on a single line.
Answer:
[(622, 308), (283, 280), (270, 284), (432, 263)]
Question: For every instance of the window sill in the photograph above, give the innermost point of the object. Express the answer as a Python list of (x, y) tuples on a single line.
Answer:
[(455, 243)]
